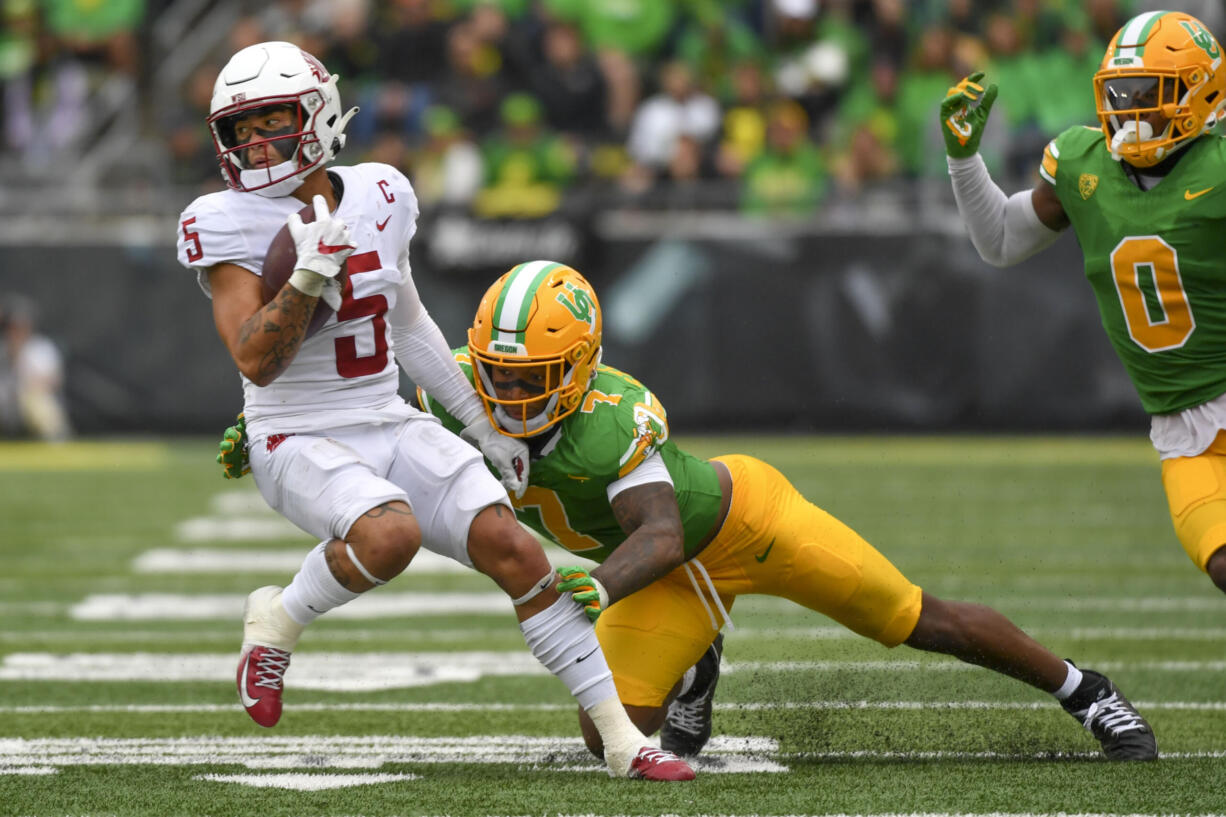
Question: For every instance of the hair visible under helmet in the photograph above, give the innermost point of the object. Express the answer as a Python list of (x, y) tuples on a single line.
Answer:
[(269, 76), (1165, 62), (540, 313)]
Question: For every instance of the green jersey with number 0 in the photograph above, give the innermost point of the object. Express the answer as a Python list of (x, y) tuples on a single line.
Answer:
[(1155, 259), (619, 425)]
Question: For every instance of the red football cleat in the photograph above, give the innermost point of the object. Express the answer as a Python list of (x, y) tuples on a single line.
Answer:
[(260, 675), (656, 764)]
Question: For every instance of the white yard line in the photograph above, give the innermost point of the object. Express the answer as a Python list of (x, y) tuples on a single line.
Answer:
[(206, 606), (755, 706), (320, 634), (873, 754), (370, 671), (277, 560), (334, 671), (723, 754), (127, 607), (305, 781)]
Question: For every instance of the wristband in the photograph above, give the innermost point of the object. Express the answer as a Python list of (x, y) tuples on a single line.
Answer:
[(307, 282)]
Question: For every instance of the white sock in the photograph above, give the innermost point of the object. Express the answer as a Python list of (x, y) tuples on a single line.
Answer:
[(1071, 682), (314, 590), (561, 638)]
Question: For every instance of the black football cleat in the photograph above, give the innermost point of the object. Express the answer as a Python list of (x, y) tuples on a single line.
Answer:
[(687, 726), (1115, 722)]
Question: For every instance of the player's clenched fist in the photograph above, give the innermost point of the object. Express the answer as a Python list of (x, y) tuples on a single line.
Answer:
[(964, 112), (322, 246)]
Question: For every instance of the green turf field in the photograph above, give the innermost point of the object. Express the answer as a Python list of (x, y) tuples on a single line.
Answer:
[(125, 567)]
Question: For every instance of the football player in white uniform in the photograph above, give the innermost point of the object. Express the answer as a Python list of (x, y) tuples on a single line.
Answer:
[(334, 448)]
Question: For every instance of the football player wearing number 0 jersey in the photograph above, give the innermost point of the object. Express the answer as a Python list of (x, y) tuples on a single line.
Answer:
[(333, 447), (679, 538), (1146, 194)]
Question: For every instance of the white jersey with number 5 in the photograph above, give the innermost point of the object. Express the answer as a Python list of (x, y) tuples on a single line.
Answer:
[(344, 374)]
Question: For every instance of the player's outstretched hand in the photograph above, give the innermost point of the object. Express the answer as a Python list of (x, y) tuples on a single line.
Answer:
[(585, 589), (964, 113), (509, 455), (322, 246), (233, 446)]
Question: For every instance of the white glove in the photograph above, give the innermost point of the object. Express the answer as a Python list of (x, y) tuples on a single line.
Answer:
[(509, 455), (322, 246)]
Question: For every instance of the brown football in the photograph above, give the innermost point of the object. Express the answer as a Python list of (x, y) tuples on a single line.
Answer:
[(279, 263)]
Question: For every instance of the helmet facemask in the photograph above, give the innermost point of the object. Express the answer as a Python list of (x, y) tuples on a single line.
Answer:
[(1129, 108), (295, 143), (542, 386)]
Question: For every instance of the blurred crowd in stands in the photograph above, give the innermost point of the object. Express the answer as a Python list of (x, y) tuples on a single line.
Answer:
[(517, 108)]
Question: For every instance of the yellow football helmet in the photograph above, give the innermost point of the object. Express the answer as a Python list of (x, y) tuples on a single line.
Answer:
[(1160, 62), (536, 333)]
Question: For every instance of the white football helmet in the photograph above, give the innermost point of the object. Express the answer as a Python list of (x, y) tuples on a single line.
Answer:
[(276, 75)]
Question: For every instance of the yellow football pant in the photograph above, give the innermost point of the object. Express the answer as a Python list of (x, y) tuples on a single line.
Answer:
[(773, 542), (1196, 493)]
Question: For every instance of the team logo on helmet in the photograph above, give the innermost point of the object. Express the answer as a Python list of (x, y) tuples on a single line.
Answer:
[(1202, 38), (317, 68), (578, 302)]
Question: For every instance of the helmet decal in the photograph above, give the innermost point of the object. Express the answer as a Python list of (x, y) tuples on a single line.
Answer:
[(317, 68), (577, 302), (513, 308), (1130, 42), (1202, 38)]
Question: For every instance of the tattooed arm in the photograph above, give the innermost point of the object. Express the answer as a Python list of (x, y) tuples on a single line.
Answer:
[(262, 338), (654, 543)]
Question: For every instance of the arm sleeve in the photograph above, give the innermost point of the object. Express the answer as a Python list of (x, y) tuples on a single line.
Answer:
[(425, 357), (1004, 229)]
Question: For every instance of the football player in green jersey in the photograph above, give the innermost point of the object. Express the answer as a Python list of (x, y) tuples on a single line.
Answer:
[(1146, 195), (679, 538)]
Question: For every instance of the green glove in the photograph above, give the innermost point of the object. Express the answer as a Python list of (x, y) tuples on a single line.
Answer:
[(585, 589), (962, 120), (233, 456)]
